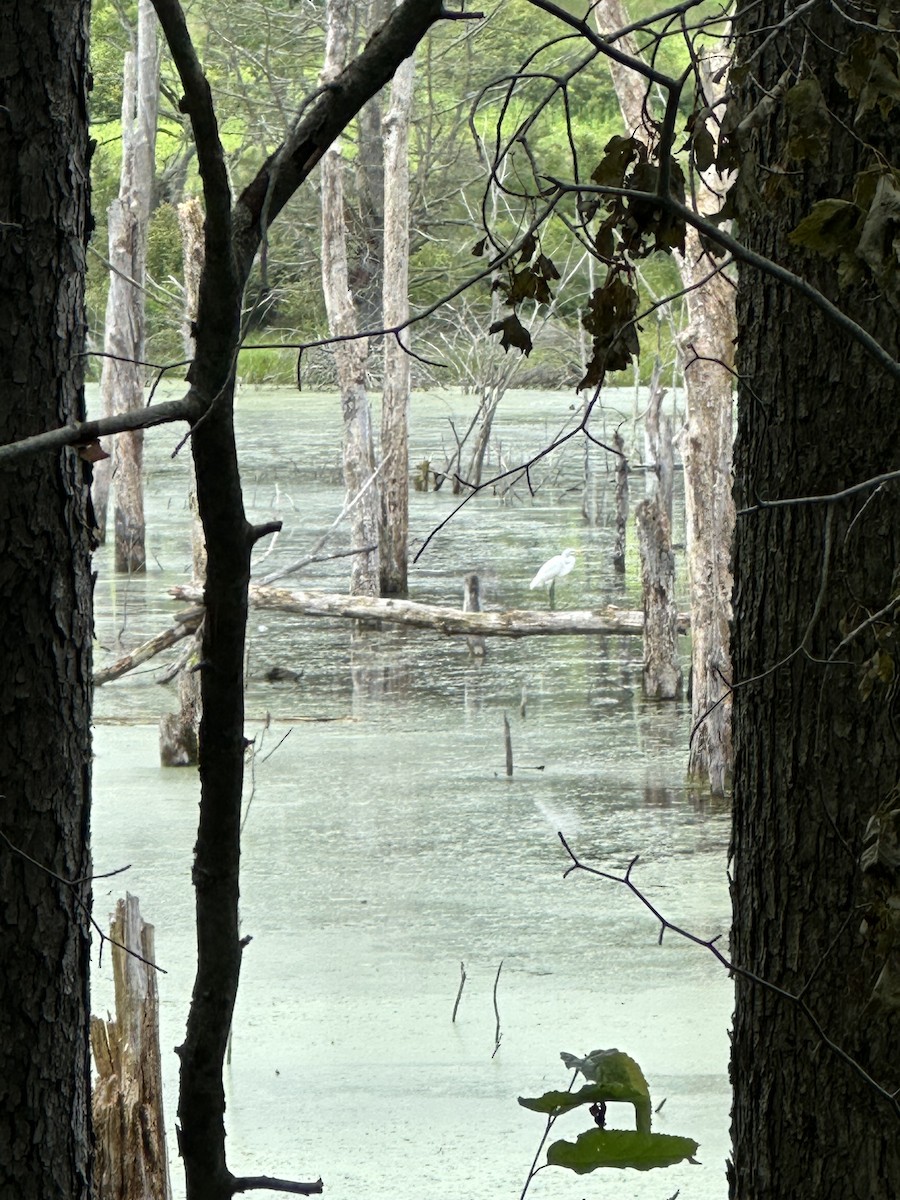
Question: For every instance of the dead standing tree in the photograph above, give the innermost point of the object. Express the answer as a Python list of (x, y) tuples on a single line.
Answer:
[(351, 354), (708, 347), (122, 381)]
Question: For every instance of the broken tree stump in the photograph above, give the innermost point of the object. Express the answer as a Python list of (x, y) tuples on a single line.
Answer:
[(130, 1161), (472, 603)]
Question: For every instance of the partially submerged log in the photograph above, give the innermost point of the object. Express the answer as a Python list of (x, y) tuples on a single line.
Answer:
[(131, 1161), (514, 623)]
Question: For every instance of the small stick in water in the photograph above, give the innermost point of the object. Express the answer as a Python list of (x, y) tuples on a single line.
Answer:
[(507, 739), (497, 1034), (462, 984)]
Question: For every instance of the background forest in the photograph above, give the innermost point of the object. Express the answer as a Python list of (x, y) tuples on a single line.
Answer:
[(262, 57)]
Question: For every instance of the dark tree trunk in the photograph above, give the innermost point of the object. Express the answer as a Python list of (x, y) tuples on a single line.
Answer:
[(45, 594), (233, 232), (816, 757)]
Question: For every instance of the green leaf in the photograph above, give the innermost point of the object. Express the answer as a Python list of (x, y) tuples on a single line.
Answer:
[(514, 334), (613, 1070), (552, 1102), (620, 1148)]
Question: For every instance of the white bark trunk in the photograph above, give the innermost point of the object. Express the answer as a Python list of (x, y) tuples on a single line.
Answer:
[(708, 348), (395, 309), (129, 216), (351, 355), (179, 733)]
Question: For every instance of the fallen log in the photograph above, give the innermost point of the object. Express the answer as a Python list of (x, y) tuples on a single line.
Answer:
[(514, 623), (184, 625)]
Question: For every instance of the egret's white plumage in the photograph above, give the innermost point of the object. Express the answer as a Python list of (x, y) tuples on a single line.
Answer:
[(554, 568)]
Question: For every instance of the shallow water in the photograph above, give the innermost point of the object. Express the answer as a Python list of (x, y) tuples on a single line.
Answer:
[(384, 845)]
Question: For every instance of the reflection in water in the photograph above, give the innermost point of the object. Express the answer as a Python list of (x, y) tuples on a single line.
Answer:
[(385, 845)]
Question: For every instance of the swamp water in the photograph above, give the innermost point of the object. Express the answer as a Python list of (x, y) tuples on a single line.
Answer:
[(383, 845)]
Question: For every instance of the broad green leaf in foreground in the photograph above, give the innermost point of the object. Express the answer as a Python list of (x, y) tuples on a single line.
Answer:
[(620, 1148), (550, 1102)]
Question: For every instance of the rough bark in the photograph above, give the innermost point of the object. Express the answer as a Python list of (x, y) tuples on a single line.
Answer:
[(131, 1158), (45, 599), (351, 355), (513, 623), (708, 349), (395, 308), (129, 217), (815, 757)]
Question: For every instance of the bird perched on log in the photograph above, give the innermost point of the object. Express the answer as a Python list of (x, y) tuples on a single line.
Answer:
[(553, 569)]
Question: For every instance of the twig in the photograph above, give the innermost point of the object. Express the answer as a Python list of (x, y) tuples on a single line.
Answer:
[(72, 884), (892, 1097), (551, 1121), (497, 1034), (462, 984)]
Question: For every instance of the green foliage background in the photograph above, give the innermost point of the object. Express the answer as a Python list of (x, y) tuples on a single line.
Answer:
[(262, 58)]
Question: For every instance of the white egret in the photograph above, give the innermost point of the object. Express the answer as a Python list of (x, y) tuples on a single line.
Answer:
[(553, 569)]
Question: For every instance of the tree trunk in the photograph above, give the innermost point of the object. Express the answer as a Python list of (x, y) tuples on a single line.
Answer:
[(45, 598), (129, 218), (621, 540), (351, 356), (131, 1159), (816, 732), (662, 671), (179, 741), (658, 453), (395, 309), (708, 346), (706, 450)]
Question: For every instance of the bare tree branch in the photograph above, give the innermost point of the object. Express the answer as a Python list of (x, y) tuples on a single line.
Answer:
[(665, 926)]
